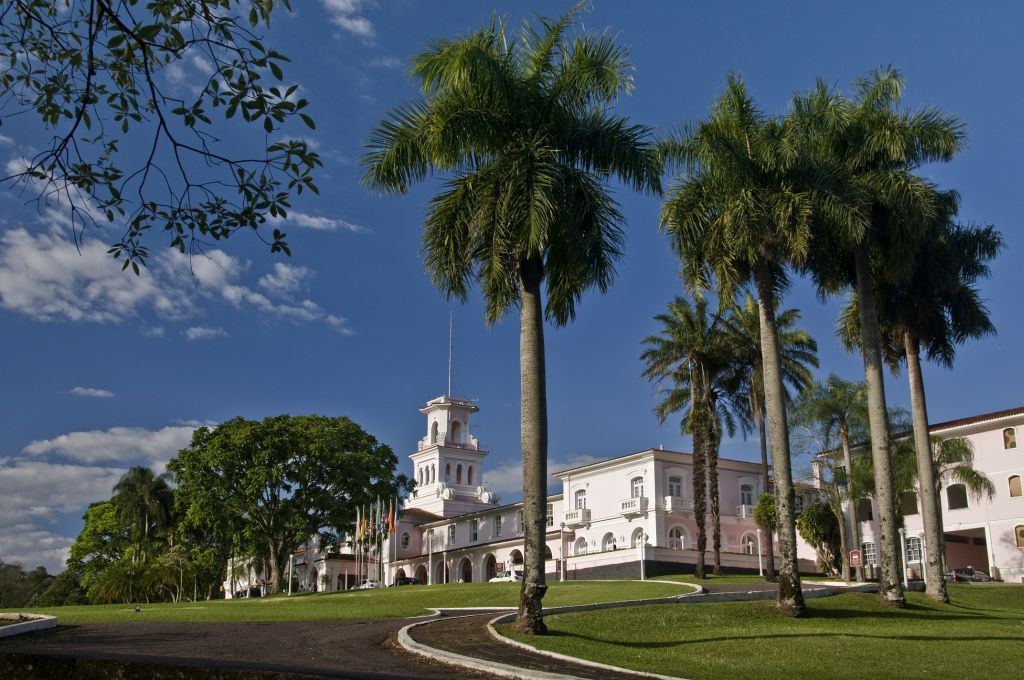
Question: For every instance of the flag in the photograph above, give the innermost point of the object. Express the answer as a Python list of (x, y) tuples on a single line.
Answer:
[(357, 532), (392, 514)]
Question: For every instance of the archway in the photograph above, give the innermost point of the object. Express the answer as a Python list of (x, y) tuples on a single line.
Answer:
[(515, 557), (421, 574), (441, 573), (547, 552), (490, 568), (400, 574), (748, 544), (465, 570), (637, 539), (608, 542), (677, 538), (581, 547)]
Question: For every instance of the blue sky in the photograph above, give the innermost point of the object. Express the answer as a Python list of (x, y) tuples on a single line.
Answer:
[(104, 370)]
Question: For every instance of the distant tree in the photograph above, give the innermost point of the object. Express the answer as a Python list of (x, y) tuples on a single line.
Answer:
[(116, 144), (144, 503), (65, 589), (18, 587), (277, 481), (101, 542), (819, 526), (524, 131)]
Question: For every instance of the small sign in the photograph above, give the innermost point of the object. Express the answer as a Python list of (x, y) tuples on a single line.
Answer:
[(856, 558)]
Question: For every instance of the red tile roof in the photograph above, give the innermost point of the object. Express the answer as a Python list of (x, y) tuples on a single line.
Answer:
[(949, 424)]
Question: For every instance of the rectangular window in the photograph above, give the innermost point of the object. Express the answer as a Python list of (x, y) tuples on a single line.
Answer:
[(675, 486), (519, 521), (913, 549), (473, 524), (451, 534), (550, 515), (908, 503), (870, 556), (497, 526)]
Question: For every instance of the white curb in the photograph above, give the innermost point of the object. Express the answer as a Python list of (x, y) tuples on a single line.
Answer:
[(27, 623)]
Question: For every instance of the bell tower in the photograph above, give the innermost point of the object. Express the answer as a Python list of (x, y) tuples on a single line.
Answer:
[(448, 462)]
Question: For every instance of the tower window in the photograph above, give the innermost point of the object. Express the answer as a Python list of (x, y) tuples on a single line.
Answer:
[(458, 473), (469, 475), (433, 433), (1009, 438), (1015, 487), (956, 496)]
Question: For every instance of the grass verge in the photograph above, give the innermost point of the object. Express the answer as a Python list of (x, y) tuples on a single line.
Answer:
[(979, 635), (384, 603)]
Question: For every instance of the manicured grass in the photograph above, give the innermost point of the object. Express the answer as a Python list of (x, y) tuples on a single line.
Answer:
[(385, 603), (711, 579), (980, 635)]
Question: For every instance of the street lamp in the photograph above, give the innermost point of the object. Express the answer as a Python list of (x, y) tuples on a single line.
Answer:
[(760, 565), (903, 560)]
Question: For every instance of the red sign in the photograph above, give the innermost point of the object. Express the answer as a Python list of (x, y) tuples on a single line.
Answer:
[(856, 558)]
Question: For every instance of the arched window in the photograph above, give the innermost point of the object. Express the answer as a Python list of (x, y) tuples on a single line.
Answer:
[(581, 499), (433, 433), (676, 538), (956, 496), (433, 473), (458, 473), (908, 503), (419, 476), (405, 540), (447, 472), (636, 487), (1015, 488), (864, 513), (608, 542), (455, 436), (746, 494), (913, 549), (1018, 531), (638, 537), (748, 545), (581, 546), (469, 475), (675, 486), (1009, 438)]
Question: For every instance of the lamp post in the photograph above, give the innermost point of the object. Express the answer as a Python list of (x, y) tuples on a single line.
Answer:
[(430, 557), (903, 558), (291, 563), (641, 550), (924, 560), (561, 551), (760, 564)]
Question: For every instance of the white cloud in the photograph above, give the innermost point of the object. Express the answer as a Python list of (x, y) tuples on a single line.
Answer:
[(204, 333), (124, 445), (202, 64), (153, 331), (317, 222), (91, 392), (507, 480), (175, 74), (31, 547), (4, 139), (345, 14), (386, 62), (286, 279), (45, 277)]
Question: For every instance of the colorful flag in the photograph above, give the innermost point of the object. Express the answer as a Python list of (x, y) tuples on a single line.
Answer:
[(391, 517), (356, 531)]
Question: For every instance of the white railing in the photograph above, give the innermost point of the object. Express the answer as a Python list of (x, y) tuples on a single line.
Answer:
[(577, 517), (633, 506), (744, 511), (678, 503), (442, 440)]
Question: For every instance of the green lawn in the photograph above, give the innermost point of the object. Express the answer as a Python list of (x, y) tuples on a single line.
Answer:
[(711, 579), (384, 603), (980, 635)]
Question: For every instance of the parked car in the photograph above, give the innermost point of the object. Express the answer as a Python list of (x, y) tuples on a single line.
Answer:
[(507, 576), (407, 581), (367, 583), (967, 574)]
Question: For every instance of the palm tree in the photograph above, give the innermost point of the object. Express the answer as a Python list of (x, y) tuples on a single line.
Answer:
[(835, 408), (690, 359), (797, 351), (524, 132), (736, 215), (868, 152), (954, 462), (936, 308), (144, 502)]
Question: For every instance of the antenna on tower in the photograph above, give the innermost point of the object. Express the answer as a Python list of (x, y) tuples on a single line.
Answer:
[(449, 352)]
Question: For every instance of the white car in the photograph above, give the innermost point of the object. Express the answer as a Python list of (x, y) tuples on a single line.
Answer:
[(507, 576), (366, 584)]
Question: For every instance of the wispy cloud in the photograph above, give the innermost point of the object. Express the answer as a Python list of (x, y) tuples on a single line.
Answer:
[(91, 392), (386, 62), (125, 445), (204, 333), (318, 222), (507, 480), (286, 279), (346, 15)]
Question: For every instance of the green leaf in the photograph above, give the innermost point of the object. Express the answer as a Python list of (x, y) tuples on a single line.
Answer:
[(276, 70), (308, 121)]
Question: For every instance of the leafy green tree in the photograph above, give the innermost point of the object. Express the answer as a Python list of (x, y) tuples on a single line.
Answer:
[(115, 144), (101, 542), (797, 352), (737, 214), (144, 503), (275, 482), (64, 590), (954, 463), (867, 152), (523, 130), (819, 526), (18, 587), (834, 409), (766, 512)]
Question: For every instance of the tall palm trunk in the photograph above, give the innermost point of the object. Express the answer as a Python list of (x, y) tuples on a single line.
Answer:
[(890, 585), (769, 575), (791, 597), (712, 444), (844, 528), (700, 501), (931, 509), (534, 435), (844, 437)]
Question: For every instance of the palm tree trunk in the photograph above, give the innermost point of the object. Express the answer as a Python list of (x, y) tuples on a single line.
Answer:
[(534, 436), (844, 436), (716, 513), (791, 598), (700, 501), (844, 529), (931, 508), (890, 585), (769, 575)]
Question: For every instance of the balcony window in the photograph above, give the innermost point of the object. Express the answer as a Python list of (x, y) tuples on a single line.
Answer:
[(550, 514), (956, 497), (746, 494), (581, 499), (913, 549), (451, 534), (497, 526), (636, 487), (675, 486), (473, 529)]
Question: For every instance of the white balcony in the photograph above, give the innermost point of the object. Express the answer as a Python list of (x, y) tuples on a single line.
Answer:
[(633, 506), (744, 511), (578, 517), (678, 504)]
